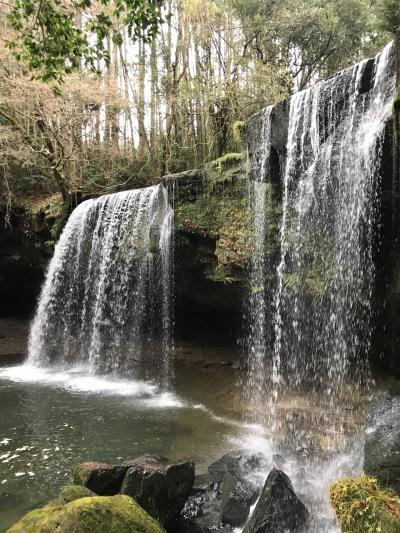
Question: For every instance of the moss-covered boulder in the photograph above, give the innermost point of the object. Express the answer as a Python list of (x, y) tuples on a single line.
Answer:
[(75, 492), (119, 514), (362, 506)]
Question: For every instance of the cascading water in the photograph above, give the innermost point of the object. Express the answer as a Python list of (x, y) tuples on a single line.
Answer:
[(106, 300), (326, 271), (324, 277), (257, 302)]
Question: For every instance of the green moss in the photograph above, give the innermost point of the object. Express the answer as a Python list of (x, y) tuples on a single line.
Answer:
[(224, 215), (223, 212), (74, 492), (120, 514), (363, 507), (227, 161), (317, 272)]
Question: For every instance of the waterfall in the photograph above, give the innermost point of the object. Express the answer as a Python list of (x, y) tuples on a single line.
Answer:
[(319, 305), (106, 299), (257, 307), (311, 324), (326, 271)]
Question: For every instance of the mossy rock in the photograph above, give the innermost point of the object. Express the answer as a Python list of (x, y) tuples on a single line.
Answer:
[(75, 492), (363, 507), (118, 514)]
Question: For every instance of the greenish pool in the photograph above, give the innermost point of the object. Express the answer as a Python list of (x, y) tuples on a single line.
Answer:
[(52, 420)]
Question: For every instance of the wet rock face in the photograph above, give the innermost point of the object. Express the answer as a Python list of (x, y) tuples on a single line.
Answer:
[(102, 479), (23, 259), (240, 464), (159, 486), (382, 444), (237, 498), (278, 510), (221, 499), (279, 132)]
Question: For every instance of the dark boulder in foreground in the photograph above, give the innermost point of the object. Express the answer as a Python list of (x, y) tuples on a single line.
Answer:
[(278, 510), (220, 499), (382, 443), (237, 498), (202, 512), (159, 486)]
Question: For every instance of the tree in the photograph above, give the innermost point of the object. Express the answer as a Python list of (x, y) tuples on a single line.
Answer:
[(312, 39), (56, 36)]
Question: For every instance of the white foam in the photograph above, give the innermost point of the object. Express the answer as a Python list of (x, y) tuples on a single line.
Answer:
[(78, 379)]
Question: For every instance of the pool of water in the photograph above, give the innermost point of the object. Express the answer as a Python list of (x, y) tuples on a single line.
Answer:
[(53, 419)]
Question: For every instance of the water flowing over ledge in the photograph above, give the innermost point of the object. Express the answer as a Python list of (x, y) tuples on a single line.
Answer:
[(106, 301), (310, 300)]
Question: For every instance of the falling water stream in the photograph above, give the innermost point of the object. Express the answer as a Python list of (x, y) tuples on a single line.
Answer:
[(324, 277), (106, 300)]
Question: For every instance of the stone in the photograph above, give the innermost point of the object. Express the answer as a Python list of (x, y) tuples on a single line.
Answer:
[(161, 487), (237, 498), (74, 492), (382, 441), (239, 463), (278, 510), (89, 515), (101, 478), (201, 513)]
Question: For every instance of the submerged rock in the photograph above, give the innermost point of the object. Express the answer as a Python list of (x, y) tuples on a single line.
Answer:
[(382, 443), (161, 487), (278, 510), (89, 515), (103, 479)]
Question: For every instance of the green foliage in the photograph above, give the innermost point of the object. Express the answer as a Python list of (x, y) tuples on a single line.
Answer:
[(238, 132), (363, 507), (53, 42), (314, 38), (227, 161), (390, 15)]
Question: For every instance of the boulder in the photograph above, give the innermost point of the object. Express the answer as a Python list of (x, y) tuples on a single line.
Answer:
[(101, 478), (278, 510), (88, 515), (201, 512), (237, 498), (161, 487), (240, 463), (382, 442)]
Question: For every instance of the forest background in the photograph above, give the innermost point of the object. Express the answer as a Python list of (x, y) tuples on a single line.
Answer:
[(161, 97)]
